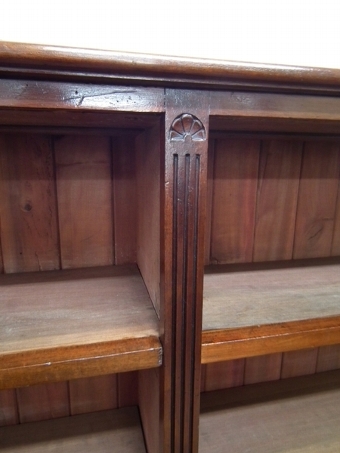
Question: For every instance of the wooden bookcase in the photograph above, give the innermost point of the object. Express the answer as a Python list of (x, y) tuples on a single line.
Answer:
[(159, 214)]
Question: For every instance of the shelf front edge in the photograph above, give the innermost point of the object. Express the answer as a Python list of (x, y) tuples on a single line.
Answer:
[(78, 361), (230, 344)]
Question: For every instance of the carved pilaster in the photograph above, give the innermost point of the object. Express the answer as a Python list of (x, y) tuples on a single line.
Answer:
[(185, 187)]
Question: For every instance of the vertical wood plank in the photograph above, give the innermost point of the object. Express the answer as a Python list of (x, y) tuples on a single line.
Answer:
[(317, 200), (148, 188), (235, 183), (93, 394), (124, 199), (8, 408), (127, 389), (83, 169), (262, 368), (222, 375), (299, 363), (328, 358), (43, 402), (210, 191), (27, 203), (277, 192), (336, 232)]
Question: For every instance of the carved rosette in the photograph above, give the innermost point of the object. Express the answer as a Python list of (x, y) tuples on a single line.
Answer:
[(187, 126)]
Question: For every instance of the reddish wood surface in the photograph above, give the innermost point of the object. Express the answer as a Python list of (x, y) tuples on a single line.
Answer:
[(263, 368), (279, 173), (328, 358), (220, 375), (29, 236), (83, 173), (8, 408), (127, 389), (43, 402), (93, 394), (131, 68), (317, 200), (183, 259), (124, 191), (148, 164), (106, 432), (299, 363), (233, 217), (36, 348)]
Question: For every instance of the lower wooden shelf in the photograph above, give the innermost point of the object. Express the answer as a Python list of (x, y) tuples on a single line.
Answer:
[(265, 308), (114, 431), (68, 324), (298, 415)]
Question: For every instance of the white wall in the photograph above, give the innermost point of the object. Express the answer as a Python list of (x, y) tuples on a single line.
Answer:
[(286, 32)]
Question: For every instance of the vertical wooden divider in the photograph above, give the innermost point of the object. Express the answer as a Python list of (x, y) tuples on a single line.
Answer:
[(336, 232), (124, 199), (185, 184)]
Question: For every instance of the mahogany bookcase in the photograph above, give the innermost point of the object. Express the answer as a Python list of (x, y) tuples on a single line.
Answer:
[(158, 214)]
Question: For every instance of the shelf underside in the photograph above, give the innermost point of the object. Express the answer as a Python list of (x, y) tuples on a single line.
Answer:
[(299, 415), (101, 432), (75, 323), (260, 308)]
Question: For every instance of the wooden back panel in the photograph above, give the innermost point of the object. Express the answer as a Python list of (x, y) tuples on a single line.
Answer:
[(271, 199), (63, 204)]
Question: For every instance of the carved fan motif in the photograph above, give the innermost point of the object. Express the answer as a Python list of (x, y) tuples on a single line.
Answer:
[(187, 125)]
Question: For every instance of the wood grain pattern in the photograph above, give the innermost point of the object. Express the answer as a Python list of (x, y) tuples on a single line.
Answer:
[(328, 358), (263, 368), (28, 204), (148, 191), (106, 323), (131, 68), (336, 231), (255, 294), (210, 194), (235, 183), (317, 200), (277, 193), (8, 408), (43, 402), (105, 432), (229, 344), (149, 398), (83, 171), (127, 389), (299, 363), (221, 375), (124, 199), (93, 394), (291, 416)]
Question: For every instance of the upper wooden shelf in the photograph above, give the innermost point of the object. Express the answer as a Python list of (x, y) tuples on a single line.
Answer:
[(75, 323), (265, 308), (55, 62)]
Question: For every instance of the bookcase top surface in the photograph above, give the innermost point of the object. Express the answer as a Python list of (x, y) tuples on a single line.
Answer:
[(48, 61)]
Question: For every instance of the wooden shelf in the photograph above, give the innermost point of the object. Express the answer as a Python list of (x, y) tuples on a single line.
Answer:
[(75, 323), (260, 309), (101, 432), (297, 415)]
